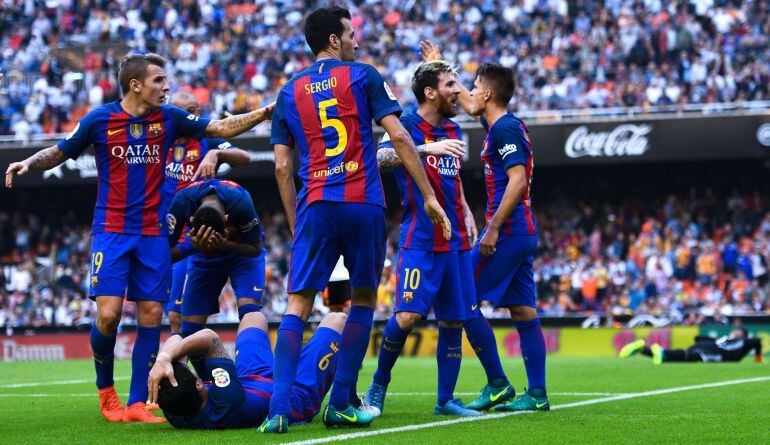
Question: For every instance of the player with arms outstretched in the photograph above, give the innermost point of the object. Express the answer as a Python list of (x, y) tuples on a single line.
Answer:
[(432, 272), (226, 243), (187, 160), (238, 395), (129, 252), (326, 111), (503, 258)]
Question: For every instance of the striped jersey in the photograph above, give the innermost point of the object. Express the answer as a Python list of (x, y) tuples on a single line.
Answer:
[(130, 154), (326, 111), (506, 145), (417, 230)]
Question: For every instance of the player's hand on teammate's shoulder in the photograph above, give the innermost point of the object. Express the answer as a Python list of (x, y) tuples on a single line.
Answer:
[(267, 111), (488, 242), (447, 147), (438, 216), (429, 51), (16, 168), (161, 370)]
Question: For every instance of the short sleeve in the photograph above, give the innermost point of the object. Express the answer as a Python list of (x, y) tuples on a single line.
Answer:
[(382, 101), (187, 124), (279, 129), (226, 394), (81, 137), (508, 139), (178, 214), (247, 220)]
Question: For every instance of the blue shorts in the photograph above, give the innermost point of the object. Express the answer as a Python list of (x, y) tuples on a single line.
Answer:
[(136, 267), (439, 280), (315, 369), (326, 230), (178, 278), (207, 276), (506, 278)]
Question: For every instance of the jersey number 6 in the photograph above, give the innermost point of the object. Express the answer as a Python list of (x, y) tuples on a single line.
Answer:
[(342, 133)]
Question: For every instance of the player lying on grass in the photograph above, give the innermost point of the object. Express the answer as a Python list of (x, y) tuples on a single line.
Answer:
[(503, 258), (432, 273), (727, 348), (226, 244), (238, 395), (187, 160)]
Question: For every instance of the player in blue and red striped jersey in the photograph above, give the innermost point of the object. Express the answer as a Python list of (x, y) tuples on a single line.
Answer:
[(129, 252), (432, 272), (187, 160), (232, 250), (503, 258), (326, 111)]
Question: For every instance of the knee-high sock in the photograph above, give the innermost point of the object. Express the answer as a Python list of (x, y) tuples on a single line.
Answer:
[(482, 339), (355, 339), (449, 356), (103, 347), (393, 338), (288, 347), (142, 359), (533, 352), (198, 361)]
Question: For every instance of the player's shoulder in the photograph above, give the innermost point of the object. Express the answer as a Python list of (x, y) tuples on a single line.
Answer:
[(175, 112), (508, 123)]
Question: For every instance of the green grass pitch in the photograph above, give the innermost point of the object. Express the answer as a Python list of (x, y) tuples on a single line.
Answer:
[(737, 413)]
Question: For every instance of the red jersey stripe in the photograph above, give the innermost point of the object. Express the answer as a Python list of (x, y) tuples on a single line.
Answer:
[(347, 109), (153, 176), (117, 135), (461, 228), (308, 115), (434, 177)]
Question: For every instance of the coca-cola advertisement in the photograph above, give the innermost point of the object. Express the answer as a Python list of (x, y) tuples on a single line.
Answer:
[(623, 140)]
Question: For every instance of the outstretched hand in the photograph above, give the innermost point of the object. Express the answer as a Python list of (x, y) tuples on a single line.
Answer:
[(447, 147), (429, 51), (16, 168)]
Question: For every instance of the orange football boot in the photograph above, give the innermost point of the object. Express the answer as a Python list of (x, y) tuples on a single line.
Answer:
[(110, 405), (140, 412)]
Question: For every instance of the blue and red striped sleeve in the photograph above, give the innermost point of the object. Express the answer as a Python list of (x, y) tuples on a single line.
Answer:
[(382, 101), (507, 138), (187, 124), (82, 136), (279, 129)]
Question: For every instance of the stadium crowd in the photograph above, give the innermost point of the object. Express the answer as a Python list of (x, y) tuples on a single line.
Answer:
[(689, 257), (59, 57)]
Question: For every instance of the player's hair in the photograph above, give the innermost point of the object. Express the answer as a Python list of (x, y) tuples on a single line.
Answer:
[(184, 399), (135, 67), (500, 80), (322, 23), (208, 216), (426, 75)]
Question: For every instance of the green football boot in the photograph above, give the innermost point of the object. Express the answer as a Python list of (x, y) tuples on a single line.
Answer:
[(632, 348), (277, 424), (491, 396), (350, 416), (532, 400), (657, 354)]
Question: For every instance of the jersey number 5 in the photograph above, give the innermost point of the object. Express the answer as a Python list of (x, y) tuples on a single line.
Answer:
[(342, 133)]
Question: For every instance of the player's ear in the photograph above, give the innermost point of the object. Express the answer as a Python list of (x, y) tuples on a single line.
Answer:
[(135, 85), (430, 93), (334, 42)]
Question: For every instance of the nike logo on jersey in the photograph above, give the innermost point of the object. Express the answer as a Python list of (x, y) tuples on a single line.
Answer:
[(473, 308), (257, 289), (111, 132), (494, 397), (177, 302)]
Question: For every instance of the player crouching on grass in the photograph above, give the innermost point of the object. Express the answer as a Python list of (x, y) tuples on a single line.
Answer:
[(239, 394), (728, 348)]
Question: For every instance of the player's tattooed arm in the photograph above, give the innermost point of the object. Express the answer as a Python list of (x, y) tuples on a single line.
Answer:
[(232, 126), (217, 350), (42, 160), (387, 157)]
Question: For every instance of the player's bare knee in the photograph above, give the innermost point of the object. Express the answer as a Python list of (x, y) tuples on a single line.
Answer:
[(175, 320), (253, 320), (522, 313), (451, 324), (407, 320), (300, 304), (107, 321), (149, 313), (335, 321)]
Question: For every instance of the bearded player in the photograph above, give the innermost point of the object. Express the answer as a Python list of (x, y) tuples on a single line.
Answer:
[(130, 255), (326, 111)]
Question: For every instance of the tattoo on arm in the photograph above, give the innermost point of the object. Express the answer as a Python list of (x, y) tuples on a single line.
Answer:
[(47, 158), (235, 125), (388, 158), (217, 350)]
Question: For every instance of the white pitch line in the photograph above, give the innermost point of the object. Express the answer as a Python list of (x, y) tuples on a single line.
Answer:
[(21, 395), (584, 394), (341, 437), (58, 382)]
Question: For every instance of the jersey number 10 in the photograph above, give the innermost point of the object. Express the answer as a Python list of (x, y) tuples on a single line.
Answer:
[(336, 124)]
